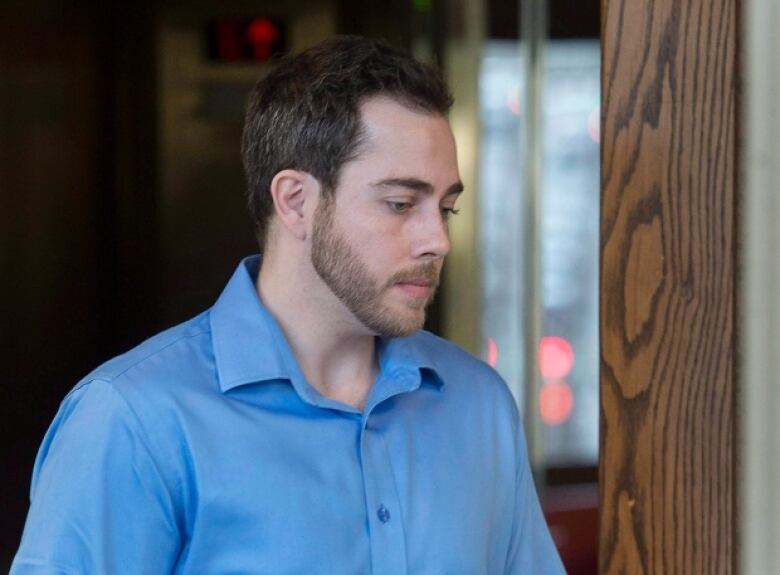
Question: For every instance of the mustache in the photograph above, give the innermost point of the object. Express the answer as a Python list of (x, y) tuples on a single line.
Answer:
[(429, 272)]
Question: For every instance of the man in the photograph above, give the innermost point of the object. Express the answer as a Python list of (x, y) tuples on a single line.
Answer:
[(304, 424)]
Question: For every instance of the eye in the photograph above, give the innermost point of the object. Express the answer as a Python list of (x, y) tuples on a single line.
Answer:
[(399, 207), (446, 213)]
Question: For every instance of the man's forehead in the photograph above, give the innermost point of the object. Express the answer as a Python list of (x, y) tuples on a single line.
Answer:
[(401, 147), (385, 123)]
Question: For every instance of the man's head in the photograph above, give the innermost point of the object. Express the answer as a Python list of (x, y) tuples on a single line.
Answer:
[(352, 175), (305, 114)]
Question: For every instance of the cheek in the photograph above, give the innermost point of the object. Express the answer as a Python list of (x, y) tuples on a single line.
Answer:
[(378, 235), (378, 239)]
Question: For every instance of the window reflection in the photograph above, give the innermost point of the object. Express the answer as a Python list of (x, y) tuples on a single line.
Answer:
[(568, 399)]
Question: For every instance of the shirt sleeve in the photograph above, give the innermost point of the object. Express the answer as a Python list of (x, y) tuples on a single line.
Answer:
[(99, 501), (531, 548)]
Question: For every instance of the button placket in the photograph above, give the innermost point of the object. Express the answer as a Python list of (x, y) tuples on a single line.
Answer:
[(387, 538)]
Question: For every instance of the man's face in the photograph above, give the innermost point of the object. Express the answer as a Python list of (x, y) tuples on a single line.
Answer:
[(379, 243)]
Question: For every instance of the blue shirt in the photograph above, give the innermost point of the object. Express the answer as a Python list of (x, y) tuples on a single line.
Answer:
[(205, 450)]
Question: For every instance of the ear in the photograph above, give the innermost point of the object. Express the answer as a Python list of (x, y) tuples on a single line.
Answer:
[(294, 192)]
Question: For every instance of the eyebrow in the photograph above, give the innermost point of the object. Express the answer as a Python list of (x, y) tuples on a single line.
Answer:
[(416, 185)]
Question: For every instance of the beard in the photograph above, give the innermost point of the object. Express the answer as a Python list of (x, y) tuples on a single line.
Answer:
[(348, 277)]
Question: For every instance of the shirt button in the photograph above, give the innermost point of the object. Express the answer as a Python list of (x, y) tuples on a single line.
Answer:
[(383, 513)]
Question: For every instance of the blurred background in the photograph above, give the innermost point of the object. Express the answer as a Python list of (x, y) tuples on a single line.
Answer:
[(122, 207)]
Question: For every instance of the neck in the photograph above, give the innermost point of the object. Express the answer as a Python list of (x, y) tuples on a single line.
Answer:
[(336, 353)]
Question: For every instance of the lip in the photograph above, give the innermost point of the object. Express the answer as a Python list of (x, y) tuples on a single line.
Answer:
[(416, 288)]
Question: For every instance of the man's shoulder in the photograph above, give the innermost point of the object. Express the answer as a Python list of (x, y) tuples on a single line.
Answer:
[(471, 387), (176, 350)]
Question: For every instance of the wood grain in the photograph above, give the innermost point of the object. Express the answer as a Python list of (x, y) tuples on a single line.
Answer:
[(669, 151)]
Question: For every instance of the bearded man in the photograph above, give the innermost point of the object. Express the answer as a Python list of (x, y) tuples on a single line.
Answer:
[(305, 423)]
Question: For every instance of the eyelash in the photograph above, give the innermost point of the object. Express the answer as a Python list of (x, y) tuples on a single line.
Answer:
[(447, 213)]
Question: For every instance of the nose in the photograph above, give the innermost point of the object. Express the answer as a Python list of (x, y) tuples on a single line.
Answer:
[(432, 238)]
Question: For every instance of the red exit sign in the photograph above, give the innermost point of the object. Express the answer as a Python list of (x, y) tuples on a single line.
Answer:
[(245, 39)]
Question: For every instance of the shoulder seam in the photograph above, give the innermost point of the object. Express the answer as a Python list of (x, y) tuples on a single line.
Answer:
[(108, 378)]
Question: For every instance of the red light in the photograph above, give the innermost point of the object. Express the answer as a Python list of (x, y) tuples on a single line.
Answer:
[(262, 34), (556, 357), (556, 402), (245, 40), (492, 352)]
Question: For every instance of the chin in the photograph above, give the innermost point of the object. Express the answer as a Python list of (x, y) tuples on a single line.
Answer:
[(393, 319), (403, 329)]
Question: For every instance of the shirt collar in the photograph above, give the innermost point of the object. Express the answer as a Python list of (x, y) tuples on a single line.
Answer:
[(249, 346), (413, 353), (248, 343)]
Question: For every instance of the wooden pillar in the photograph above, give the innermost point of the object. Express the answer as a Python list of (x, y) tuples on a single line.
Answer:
[(668, 242)]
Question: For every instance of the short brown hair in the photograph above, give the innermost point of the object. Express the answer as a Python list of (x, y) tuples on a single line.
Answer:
[(305, 114)]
